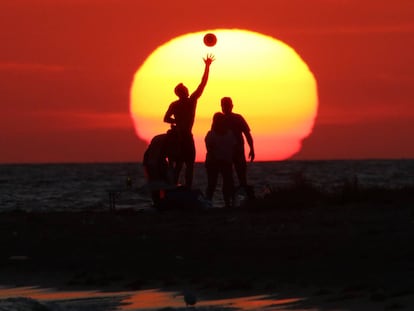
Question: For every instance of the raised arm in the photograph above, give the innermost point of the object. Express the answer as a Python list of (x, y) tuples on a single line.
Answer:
[(207, 61)]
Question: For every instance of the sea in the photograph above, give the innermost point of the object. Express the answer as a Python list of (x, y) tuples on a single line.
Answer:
[(97, 186)]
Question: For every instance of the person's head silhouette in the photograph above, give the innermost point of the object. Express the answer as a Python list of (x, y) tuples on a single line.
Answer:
[(226, 105), (219, 123), (181, 91)]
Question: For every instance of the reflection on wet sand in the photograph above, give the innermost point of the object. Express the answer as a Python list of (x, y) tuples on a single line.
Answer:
[(159, 299), (146, 299), (46, 294)]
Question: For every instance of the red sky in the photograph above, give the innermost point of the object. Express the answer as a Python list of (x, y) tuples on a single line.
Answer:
[(66, 67)]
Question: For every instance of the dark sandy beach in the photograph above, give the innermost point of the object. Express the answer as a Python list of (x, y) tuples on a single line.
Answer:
[(337, 253)]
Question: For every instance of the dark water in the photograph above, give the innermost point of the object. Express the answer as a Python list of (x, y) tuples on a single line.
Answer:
[(43, 187)]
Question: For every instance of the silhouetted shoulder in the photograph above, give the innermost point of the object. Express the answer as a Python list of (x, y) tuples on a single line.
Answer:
[(174, 104), (237, 122)]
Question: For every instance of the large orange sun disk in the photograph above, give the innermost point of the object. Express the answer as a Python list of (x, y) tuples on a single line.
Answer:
[(271, 86)]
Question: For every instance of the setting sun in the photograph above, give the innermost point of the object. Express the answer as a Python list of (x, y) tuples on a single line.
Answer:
[(271, 86)]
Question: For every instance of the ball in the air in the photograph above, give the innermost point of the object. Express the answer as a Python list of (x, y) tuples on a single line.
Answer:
[(210, 39)]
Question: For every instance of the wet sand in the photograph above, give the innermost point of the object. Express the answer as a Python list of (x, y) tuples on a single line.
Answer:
[(356, 255)]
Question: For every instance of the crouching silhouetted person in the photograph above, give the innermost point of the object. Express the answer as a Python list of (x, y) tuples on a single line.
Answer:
[(156, 166)]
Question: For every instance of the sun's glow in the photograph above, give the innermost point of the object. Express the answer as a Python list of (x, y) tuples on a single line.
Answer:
[(271, 86)]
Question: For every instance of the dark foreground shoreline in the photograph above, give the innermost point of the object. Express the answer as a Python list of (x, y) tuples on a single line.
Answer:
[(360, 248)]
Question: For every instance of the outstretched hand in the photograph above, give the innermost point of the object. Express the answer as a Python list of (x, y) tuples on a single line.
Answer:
[(209, 59)]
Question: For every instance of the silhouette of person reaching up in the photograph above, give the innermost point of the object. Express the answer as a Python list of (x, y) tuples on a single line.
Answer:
[(239, 126), (180, 115), (220, 143)]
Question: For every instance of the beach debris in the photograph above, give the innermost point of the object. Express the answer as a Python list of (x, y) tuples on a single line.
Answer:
[(242, 195), (190, 298), (180, 198)]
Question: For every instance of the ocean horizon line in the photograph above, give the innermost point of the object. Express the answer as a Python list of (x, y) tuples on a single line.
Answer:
[(201, 162)]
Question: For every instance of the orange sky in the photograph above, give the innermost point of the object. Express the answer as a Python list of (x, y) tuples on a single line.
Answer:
[(66, 68)]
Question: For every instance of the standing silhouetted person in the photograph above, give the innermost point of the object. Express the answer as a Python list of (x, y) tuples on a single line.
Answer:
[(239, 127), (180, 115), (220, 143)]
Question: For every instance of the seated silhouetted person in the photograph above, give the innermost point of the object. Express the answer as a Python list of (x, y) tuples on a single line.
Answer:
[(180, 115), (220, 144)]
